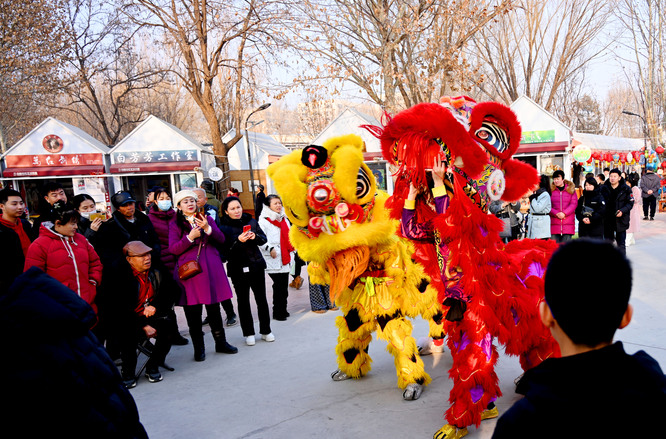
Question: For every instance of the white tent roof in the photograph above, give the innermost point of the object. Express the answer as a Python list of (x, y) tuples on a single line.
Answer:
[(608, 143), (261, 146), (349, 122), (154, 133), (75, 140)]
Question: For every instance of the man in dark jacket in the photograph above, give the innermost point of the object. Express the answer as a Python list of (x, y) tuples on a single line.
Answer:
[(51, 192), (58, 379), (650, 185), (138, 309), (596, 388), (619, 202), (125, 225), (260, 199), (15, 237)]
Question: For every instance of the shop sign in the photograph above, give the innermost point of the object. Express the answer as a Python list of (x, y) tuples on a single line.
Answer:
[(48, 160), (545, 136), (181, 155)]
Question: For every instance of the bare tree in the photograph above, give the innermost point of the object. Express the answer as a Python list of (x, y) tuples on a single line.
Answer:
[(614, 123), (108, 77), (398, 52), (644, 23), (540, 47), (215, 45), (32, 48)]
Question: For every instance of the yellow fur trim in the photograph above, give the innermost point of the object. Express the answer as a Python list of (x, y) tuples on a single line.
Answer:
[(410, 204)]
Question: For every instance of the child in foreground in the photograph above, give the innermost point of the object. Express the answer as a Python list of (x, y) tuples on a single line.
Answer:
[(595, 389)]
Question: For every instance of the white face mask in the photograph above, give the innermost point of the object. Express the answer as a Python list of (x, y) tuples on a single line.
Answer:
[(86, 215), (164, 205)]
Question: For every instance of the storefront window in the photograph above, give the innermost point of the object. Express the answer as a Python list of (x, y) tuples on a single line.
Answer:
[(185, 181), (550, 164)]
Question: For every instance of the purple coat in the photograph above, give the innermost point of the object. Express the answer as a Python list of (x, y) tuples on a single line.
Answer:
[(161, 220), (563, 201), (211, 286)]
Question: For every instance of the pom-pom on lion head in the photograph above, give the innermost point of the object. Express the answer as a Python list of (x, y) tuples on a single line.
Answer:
[(331, 198)]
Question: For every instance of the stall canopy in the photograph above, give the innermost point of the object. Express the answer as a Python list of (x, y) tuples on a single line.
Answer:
[(542, 132), (55, 148), (264, 150), (607, 143), (155, 146), (350, 122)]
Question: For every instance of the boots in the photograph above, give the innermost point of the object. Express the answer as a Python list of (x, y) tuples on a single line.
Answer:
[(221, 344), (199, 347), (297, 283)]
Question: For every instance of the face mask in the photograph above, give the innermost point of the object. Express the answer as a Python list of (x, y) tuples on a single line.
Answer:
[(85, 215), (164, 204)]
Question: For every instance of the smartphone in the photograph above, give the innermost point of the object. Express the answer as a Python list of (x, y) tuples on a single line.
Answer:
[(247, 228), (95, 215)]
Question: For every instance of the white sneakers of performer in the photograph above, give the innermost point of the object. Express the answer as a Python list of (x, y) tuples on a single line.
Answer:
[(249, 340)]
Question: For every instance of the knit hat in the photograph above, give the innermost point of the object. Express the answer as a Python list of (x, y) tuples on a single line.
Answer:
[(182, 195)]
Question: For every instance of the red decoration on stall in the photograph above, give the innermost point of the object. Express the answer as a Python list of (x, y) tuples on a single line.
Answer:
[(623, 157), (659, 149)]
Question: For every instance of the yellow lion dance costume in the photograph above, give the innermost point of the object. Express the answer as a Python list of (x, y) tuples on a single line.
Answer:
[(340, 225)]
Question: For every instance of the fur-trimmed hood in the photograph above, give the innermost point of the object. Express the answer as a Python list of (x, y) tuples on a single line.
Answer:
[(570, 187)]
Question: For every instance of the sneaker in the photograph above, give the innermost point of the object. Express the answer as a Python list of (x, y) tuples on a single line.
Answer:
[(645, 218), (232, 321), (268, 337), (153, 375), (319, 311), (129, 383), (279, 318), (335, 308), (651, 218), (249, 340), (450, 432)]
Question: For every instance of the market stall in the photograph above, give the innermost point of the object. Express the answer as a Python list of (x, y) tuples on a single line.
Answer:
[(55, 150), (157, 153)]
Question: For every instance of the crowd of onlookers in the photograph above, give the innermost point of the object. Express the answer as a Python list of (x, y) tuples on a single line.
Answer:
[(185, 250), (608, 206)]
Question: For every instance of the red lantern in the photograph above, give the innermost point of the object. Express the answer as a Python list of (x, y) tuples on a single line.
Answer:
[(623, 157), (591, 159), (659, 149), (663, 164), (608, 157)]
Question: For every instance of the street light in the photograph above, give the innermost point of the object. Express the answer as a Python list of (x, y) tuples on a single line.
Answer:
[(645, 133), (249, 153)]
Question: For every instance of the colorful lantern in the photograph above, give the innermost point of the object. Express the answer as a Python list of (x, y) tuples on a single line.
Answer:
[(623, 157), (630, 157), (659, 149), (616, 157), (582, 153)]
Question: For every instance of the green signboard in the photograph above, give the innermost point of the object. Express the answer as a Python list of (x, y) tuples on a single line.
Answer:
[(538, 136)]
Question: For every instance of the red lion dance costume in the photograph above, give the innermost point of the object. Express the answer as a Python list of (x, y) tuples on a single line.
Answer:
[(487, 289)]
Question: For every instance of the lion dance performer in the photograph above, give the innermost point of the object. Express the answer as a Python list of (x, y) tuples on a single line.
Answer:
[(341, 227), (462, 150)]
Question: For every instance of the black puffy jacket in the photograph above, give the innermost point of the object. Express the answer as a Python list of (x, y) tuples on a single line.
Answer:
[(241, 254), (58, 379)]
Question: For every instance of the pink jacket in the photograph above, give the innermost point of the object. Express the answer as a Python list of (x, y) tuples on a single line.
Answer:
[(563, 201)]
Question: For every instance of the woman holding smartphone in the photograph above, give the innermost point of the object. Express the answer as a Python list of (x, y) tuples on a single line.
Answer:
[(90, 220), (246, 267), (193, 236)]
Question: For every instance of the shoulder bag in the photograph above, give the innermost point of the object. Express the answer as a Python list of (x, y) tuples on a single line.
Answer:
[(190, 269)]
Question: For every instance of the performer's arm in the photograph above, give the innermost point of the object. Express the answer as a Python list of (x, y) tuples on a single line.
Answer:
[(410, 227)]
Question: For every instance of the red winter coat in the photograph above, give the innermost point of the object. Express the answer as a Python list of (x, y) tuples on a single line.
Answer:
[(563, 201), (72, 261)]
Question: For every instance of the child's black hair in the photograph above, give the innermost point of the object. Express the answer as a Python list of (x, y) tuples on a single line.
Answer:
[(588, 301), (63, 213)]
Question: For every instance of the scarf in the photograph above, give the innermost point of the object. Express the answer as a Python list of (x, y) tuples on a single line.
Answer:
[(20, 231), (285, 246), (146, 291)]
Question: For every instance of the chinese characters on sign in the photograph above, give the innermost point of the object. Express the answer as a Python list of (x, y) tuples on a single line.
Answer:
[(182, 155), (48, 160)]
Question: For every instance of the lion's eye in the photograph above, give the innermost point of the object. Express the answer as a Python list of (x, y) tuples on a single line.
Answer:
[(320, 195), (493, 135), (363, 184)]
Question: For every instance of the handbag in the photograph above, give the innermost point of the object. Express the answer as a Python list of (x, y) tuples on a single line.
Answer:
[(587, 211), (190, 269)]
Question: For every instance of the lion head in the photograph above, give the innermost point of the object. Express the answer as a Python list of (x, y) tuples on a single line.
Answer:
[(331, 198), (476, 140)]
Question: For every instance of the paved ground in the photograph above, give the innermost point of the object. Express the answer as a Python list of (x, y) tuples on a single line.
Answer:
[(283, 389)]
